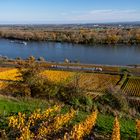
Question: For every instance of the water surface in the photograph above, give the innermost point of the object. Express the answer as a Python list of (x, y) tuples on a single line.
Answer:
[(52, 51)]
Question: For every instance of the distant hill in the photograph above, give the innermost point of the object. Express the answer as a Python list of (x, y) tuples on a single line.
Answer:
[(86, 25)]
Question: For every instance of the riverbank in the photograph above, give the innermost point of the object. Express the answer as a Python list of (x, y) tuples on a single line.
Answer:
[(105, 69)]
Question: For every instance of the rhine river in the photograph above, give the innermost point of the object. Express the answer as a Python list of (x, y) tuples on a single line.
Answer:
[(90, 54)]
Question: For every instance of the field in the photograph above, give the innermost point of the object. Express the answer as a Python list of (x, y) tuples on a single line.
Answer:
[(9, 75), (30, 118), (87, 81), (132, 87)]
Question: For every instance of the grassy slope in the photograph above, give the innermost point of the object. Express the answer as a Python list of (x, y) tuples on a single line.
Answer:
[(103, 126), (8, 105)]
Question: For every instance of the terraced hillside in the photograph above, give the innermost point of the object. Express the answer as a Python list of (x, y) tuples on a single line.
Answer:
[(86, 81), (132, 87)]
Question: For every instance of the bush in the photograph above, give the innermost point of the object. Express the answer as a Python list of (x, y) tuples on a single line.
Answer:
[(113, 102), (31, 82)]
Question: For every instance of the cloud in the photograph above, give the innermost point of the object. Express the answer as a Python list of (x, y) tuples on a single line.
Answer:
[(103, 15), (91, 16), (99, 11)]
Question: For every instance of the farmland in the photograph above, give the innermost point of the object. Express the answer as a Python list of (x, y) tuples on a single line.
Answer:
[(87, 81), (83, 115), (132, 87), (9, 75)]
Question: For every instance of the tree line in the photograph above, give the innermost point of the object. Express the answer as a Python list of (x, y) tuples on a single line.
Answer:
[(78, 36)]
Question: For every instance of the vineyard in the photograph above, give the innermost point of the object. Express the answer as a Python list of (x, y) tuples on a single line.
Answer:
[(78, 117), (87, 81), (98, 82), (57, 76), (53, 124), (9, 75), (132, 87)]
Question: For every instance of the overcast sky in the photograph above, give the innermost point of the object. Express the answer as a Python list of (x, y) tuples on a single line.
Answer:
[(68, 11)]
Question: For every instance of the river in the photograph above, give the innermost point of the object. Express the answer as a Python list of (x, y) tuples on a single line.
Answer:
[(91, 54)]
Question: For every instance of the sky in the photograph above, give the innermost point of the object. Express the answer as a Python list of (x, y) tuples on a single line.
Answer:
[(68, 11)]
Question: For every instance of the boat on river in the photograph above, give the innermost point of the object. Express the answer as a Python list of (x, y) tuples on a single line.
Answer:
[(19, 42)]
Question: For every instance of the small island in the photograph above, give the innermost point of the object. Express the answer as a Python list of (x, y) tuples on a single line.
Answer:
[(79, 34)]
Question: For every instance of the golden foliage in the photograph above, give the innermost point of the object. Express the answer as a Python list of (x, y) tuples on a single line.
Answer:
[(2, 85), (138, 128), (88, 81), (22, 123), (10, 75), (26, 134), (116, 130), (59, 122), (57, 76), (84, 128)]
